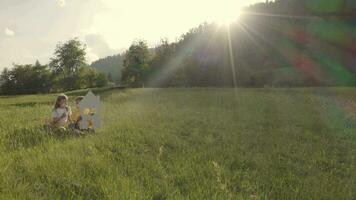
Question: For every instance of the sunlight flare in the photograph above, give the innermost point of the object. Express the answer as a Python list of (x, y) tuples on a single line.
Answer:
[(224, 18)]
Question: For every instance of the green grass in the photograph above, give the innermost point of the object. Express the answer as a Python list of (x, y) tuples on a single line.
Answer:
[(186, 144)]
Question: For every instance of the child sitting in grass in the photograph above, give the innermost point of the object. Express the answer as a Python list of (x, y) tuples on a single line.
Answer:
[(75, 117), (60, 114)]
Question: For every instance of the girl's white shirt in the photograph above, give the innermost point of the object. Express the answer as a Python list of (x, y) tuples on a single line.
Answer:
[(58, 114)]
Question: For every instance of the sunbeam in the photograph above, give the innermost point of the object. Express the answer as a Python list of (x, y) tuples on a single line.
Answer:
[(231, 58), (172, 65), (276, 15)]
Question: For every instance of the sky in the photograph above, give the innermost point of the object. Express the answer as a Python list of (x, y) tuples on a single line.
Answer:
[(31, 29)]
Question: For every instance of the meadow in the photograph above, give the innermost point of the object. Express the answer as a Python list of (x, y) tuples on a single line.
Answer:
[(206, 143)]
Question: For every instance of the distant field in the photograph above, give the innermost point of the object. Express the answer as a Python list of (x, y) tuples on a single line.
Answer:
[(186, 144)]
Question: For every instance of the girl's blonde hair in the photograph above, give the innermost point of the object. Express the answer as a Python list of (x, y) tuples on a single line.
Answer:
[(59, 99)]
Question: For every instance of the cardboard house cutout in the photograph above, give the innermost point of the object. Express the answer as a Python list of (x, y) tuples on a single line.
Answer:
[(90, 111)]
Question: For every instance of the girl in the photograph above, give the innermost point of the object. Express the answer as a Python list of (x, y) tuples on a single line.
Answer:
[(61, 112)]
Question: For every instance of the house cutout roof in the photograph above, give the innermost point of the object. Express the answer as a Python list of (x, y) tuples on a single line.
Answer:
[(90, 101)]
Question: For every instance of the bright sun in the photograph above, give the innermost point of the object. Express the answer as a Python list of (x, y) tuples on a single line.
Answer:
[(226, 18)]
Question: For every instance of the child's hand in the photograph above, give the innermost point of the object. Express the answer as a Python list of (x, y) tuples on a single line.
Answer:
[(79, 119)]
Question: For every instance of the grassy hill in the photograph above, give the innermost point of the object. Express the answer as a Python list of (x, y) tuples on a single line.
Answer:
[(186, 144), (111, 66)]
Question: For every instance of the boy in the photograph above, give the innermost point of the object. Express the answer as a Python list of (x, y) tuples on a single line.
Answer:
[(75, 118)]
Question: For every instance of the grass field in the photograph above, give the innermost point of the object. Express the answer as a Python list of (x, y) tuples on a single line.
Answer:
[(186, 144)]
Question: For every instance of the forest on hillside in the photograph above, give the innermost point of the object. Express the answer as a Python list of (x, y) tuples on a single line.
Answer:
[(111, 66), (283, 43)]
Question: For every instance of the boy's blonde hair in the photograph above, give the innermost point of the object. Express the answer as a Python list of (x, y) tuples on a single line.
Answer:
[(78, 99)]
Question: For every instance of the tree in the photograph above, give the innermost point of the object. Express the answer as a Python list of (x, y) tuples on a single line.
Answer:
[(42, 77), (91, 77), (68, 59), (136, 64), (110, 78), (88, 77), (26, 79), (6, 80), (101, 80), (164, 53)]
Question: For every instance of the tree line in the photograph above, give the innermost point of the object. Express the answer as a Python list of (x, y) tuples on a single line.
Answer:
[(67, 70)]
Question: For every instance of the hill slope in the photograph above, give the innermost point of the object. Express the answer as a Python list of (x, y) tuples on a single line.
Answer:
[(110, 65)]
